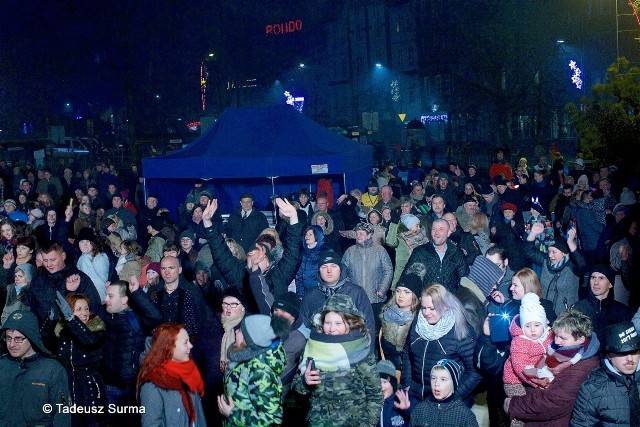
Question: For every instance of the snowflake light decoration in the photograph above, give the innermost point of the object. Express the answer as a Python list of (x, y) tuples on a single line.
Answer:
[(395, 91), (577, 73)]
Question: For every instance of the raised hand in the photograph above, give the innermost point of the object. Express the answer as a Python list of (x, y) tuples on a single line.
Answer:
[(73, 282), (134, 284), (208, 212), (403, 402)]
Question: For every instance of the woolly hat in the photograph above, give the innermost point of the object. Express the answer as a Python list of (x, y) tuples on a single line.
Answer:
[(188, 234), (26, 323), (579, 162), (443, 175), (288, 302), (87, 233), (205, 193), (28, 269), (627, 197), (154, 266), (605, 270), (621, 338), (485, 274), (11, 201), (509, 206), (235, 292), (329, 257), (156, 222), (499, 180), (531, 310), (387, 371), (341, 303), (372, 183), (411, 282), (620, 208), (409, 220), (535, 204), (470, 199), (454, 368), (472, 166), (364, 226), (190, 199), (200, 266), (560, 243), (257, 331), (36, 213)]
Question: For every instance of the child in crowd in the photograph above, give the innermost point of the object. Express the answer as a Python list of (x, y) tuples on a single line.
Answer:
[(392, 414), (444, 408), (531, 337)]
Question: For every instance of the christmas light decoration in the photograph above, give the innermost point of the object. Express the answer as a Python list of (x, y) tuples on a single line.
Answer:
[(395, 91), (296, 101), (577, 73)]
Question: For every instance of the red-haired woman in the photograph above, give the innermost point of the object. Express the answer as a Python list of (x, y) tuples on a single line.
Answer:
[(169, 382)]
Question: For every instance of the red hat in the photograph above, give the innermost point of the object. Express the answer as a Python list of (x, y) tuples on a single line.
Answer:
[(509, 206)]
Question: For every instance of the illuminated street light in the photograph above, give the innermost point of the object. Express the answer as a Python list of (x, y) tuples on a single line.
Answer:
[(301, 65), (378, 65)]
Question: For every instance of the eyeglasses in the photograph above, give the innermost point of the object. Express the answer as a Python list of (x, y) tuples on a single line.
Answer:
[(17, 340), (230, 304)]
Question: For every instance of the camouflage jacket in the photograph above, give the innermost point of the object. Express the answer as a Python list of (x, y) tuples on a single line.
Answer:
[(348, 397), (256, 389)]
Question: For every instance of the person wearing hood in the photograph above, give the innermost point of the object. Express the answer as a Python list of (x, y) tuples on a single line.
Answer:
[(331, 236), (369, 267), (312, 246), (575, 355), (29, 378), (562, 266), (17, 291), (252, 386), (610, 394), (338, 367), (54, 230), (333, 280), (600, 305), (406, 233)]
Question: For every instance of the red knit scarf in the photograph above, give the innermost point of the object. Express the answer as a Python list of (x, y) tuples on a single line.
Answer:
[(183, 377)]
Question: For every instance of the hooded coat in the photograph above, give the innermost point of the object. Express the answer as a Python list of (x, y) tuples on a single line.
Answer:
[(369, 266), (307, 274)]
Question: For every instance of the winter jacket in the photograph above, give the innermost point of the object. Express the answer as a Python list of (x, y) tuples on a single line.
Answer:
[(421, 355), (345, 397), (97, 268), (165, 408), (307, 274), (256, 389), (524, 352), (603, 313), (45, 234), (315, 299), (560, 287), (234, 271), (589, 229), (395, 240), (449, 413), (27, 385), (447, 272), (124, 340), (80, 351), (510, 239), (369, 266), (552, 406), (155, 247), (392, 416), (41, 298), (466, 243), (15, 301), (246, 230), (603, 399)]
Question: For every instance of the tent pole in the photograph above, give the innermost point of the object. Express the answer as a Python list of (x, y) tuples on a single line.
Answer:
[(273, 198), (344, 183)]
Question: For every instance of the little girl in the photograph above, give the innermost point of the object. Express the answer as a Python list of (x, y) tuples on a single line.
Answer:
[(531, 337), (443, 408)]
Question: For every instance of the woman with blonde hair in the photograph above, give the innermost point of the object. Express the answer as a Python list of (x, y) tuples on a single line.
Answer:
[(525, 281), (479, 229), (439, 331)]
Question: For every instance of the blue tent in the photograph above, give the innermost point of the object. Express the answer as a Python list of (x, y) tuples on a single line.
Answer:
[(264, 151)]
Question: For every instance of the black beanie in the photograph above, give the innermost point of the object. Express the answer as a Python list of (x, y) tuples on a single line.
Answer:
[(607, 271), (561, 244), (288, 302), (411, 282)]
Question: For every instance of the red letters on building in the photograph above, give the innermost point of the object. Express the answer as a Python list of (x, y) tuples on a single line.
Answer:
[(283, 28)]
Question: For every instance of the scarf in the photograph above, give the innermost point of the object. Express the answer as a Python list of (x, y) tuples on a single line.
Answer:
[(122, 260), (431, 332), (415, 239), (229, 337), (395, 314), (183, 377), (336, 352), (329, 291), (558, 266)]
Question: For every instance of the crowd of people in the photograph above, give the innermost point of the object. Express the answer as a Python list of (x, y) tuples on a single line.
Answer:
[(399, 303)]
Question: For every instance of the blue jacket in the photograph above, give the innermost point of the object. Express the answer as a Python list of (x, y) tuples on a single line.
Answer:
[(307, 274)]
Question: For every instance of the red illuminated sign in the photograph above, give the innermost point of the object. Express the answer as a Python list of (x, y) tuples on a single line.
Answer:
[(283, 28)]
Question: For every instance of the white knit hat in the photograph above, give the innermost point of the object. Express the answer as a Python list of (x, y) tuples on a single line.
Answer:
[(531, 310)]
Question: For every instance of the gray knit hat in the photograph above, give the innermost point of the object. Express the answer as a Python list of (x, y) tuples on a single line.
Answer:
[(485, 274), (409, 220), (364, 226), (257, 331), (26, 323), (387, 370)]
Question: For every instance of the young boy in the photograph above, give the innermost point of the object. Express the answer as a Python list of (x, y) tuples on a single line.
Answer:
[(444, 408), (392, 413)]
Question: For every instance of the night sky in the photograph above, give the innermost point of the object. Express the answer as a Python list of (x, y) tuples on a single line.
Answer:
[(100, 54)]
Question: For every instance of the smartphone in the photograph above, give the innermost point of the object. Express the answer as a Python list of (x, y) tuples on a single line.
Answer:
[(313, 364), (499, 327)]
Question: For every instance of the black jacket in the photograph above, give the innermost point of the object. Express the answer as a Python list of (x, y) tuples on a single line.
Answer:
[(447, 272), (245, 230), (124, 340)]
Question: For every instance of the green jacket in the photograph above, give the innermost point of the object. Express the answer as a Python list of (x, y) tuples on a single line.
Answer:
[(347, 397), (256, 389)]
